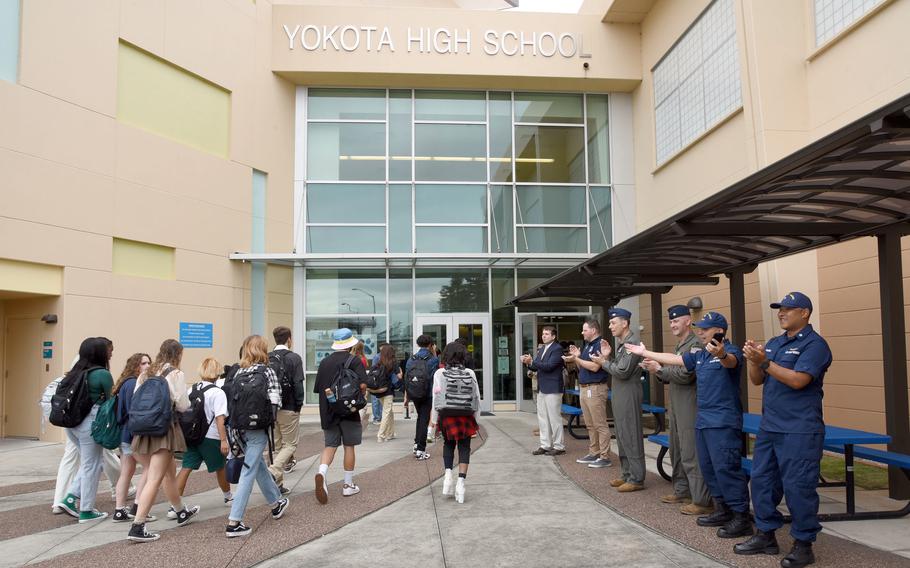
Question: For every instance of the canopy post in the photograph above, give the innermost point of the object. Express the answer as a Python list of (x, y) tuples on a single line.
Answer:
[(657, 345)]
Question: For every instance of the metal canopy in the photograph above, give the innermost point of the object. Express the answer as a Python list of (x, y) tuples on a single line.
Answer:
[(852, 183)]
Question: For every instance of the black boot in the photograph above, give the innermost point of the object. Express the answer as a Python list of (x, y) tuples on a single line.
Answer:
[(800, 555), (761, 543), (721, 515), (739, 525)]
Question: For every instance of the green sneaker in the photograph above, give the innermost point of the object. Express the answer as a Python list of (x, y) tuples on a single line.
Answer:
[(89, 516), (70, 505)]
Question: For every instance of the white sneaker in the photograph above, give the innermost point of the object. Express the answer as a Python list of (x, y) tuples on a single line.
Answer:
[(447, 483), (171, 513), (349, 490), (322, 489), (422, 456), (57, 510), (459, 490)]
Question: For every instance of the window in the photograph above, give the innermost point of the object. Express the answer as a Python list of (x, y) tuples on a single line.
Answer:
[(833, 16), (697, 82)]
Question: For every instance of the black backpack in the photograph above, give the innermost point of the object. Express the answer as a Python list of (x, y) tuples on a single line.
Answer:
[(249, 406), (417, 381), (276, 362), (349, 399), (151, 409), (71, 402), (378, 381), (193, 422)]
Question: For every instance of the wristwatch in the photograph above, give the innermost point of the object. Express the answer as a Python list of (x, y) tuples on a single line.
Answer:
[(764, 366)]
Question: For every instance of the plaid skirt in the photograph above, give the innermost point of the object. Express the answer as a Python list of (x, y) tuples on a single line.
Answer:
[(457, 427)]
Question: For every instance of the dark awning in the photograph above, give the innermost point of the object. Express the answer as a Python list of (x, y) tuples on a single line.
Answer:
[(854, 182)]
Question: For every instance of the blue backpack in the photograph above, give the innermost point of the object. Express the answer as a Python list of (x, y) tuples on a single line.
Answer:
[(151, 407)]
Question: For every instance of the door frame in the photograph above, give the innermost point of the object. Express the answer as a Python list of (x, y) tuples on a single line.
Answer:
[(524, 321), (451, 321)]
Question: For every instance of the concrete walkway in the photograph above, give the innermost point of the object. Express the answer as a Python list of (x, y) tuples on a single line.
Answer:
[(519, 510)]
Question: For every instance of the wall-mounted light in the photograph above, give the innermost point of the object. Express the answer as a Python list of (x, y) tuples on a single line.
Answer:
[(49, 318), (694, 303)]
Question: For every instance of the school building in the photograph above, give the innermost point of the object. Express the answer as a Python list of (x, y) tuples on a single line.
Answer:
[(207, 170)]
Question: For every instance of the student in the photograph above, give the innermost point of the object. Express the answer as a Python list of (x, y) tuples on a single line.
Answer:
[(137, 364), (458, 426), (214, 447), (388, 365), (93, 359), (287, 426), (338, 430), (247, 430), (419, 371), (160, 449)]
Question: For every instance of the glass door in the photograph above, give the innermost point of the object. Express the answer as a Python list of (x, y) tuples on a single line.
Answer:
[(474, 329), (527, 334)]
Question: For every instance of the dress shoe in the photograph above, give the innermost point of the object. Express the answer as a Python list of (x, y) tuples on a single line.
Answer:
[(629, 487), (555, 452), (721, 515), (800, 555), (761, 543), (739, 525), (540, 451), (695, 509), (673, 498), (617, 482)]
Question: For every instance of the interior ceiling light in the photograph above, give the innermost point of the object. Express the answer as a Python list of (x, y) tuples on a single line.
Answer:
[(448, 159)]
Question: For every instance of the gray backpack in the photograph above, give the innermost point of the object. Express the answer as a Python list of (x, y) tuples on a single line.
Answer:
[(457, 397)]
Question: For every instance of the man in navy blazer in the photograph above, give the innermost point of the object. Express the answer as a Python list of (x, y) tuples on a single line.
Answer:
[(548, 364)]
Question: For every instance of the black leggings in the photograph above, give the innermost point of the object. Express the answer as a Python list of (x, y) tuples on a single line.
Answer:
[(464, 452)]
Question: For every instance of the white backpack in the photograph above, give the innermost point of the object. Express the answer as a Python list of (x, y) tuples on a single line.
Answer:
[(458, 396)]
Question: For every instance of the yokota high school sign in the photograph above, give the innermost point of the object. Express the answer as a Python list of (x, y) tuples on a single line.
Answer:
[(374, 39)]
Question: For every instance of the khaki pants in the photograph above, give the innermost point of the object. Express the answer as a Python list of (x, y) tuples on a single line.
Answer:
[(594, 410), (287, 431), (549, 420), (387, 425)]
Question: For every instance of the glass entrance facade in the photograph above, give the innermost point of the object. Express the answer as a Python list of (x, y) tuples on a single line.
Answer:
[(415, 202)]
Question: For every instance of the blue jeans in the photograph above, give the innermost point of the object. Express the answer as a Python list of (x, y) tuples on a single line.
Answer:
[(85, 484), (377, 409), (256, 469)]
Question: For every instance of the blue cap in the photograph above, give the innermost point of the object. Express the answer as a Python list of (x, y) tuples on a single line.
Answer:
[(712, 319), (343, 339), (619, 313), (678, 311), (794, 300)]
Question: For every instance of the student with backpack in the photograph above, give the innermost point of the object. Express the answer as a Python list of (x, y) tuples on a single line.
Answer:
[(137, 364), (288, 367), (456, 402), (159, 395), (254, 396), (74, 407), (380, 383), (204, 429), (418, 384), (341, 386)]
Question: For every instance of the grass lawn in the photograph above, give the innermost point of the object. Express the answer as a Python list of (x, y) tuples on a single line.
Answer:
[(865, 476)]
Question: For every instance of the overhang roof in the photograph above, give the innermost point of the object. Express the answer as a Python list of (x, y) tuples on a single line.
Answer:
[(854, 182)]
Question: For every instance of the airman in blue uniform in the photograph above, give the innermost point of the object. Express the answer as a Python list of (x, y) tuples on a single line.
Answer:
[(788, 447)]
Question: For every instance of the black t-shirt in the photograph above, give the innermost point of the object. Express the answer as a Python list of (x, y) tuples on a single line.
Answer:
[(325, 376)]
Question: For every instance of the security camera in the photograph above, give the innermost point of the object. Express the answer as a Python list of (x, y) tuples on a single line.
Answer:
[(586, 65)]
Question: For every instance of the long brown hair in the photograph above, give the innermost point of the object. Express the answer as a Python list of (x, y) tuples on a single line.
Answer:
[(169, 354), (387, 358), (130, 370), (254, 351)]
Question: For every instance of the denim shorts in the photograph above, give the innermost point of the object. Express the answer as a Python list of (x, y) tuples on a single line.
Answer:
[(346, 432)]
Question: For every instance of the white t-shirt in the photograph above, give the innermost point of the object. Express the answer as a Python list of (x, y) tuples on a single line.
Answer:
[(215, 405)]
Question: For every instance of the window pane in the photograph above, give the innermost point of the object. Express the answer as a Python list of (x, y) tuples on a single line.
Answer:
[(450, 152), (601, 219), (451, 204), (346, 104), (344, 291), (400, 135), (598, 139), (345, 239), (400, 221), (501, 204), (345, 203), (500, 137), (450, 105), (370, 330), (503, 287), (452, 290), (451, 239), (551, 205), (552, 239), (401, 316), (548, 107), (529, 278), (346, 151), (550, 154)]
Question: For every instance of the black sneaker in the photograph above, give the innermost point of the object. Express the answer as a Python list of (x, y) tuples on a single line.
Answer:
[(122, 516), (279, 509), (239, 529), (139, 534), (284, 490), (184, 516), (289, 467)]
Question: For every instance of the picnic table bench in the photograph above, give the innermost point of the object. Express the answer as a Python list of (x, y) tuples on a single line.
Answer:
[(574, 416)]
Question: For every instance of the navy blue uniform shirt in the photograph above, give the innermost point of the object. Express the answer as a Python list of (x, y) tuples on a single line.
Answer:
[(585, 376), (717, 388), (797, 411)]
